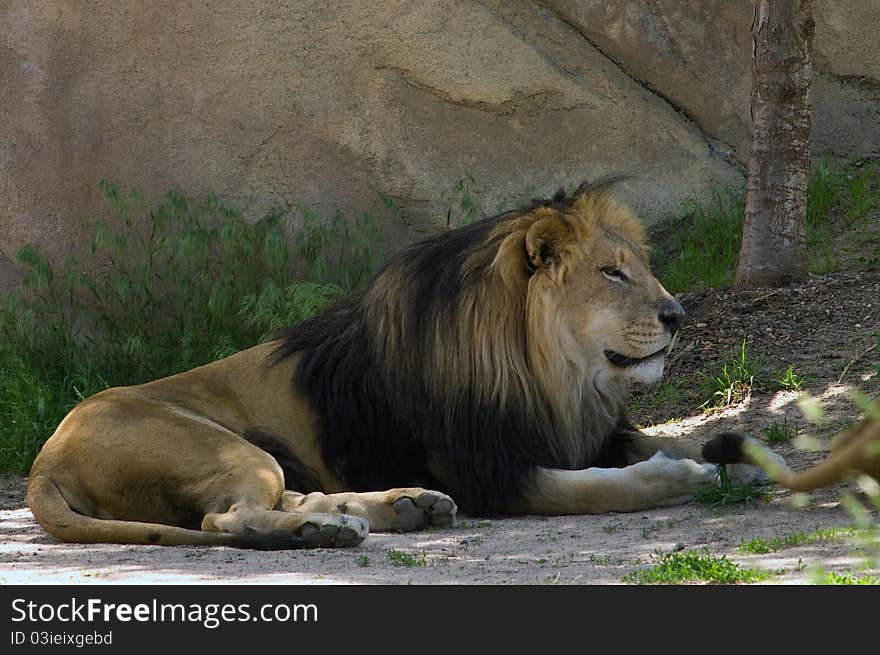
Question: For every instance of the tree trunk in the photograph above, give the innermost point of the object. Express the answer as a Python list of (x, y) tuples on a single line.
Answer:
[(774, 234)]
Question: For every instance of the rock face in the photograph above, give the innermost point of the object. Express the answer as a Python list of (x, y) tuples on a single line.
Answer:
[(696, 54), (332, 103)]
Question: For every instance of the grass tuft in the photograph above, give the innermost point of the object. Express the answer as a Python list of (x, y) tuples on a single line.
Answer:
[(695, 566), (725, 493), (401, 558), (735, 380), (761, 546), (832, 578), (778, 432), (791, 380)]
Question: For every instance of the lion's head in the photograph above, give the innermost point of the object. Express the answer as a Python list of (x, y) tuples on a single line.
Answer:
[(485, 351), (591, 283), (569, 309)]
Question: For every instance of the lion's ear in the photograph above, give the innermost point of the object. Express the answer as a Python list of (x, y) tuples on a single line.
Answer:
[(546, 240), (601, 186)]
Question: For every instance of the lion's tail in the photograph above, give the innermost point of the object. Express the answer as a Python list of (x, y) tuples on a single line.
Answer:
[(62, 522), (733, 448)]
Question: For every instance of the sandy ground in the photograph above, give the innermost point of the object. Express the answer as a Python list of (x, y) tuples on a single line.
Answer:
[(825, 327), (520, 550), (528, 550)]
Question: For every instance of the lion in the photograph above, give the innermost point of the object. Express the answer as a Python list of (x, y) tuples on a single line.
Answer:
[(485, 368), (854, 451)]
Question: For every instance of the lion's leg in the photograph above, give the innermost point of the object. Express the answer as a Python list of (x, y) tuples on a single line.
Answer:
[(637, 446), (252, 504), (657, 482), (124, 468), (401, 510), (641, 447)]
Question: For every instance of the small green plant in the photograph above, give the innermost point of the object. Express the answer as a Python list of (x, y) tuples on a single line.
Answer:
[(469, 525), (872, 262), (604, 560), (876, 336), (759, 546), (462, 205), (735, 380), (401, 558), (778, 432), (695, 566), (725, 493), (832, 578), (363, 561), (791, 380)]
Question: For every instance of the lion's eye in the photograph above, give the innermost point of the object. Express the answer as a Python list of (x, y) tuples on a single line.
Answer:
[(614, 274)]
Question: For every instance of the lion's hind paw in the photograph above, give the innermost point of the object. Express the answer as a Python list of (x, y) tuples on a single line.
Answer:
[(333, 530), (425, 509)]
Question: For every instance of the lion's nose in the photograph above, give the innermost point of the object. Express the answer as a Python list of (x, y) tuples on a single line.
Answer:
[(671, 313)]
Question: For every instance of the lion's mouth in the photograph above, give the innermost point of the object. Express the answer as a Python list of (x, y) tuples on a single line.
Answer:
[(624, 362)]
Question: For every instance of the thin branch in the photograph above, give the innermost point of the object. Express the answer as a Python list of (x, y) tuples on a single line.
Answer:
[(854, 360)]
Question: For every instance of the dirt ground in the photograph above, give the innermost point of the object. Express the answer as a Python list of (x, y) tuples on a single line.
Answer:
[(824, 328)]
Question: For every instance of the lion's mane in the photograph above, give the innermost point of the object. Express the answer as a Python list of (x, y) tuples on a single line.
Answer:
[(454, 370)]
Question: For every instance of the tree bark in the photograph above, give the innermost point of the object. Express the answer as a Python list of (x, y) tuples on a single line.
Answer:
[(773, 249)]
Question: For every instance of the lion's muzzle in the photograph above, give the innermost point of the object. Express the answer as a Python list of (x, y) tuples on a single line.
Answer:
[(671, 313)]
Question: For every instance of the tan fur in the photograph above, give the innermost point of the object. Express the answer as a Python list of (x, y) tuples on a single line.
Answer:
[(853, 452), (166, 463)]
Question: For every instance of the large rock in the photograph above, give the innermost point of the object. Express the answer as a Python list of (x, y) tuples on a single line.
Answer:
[(333, 103), (696, 54)]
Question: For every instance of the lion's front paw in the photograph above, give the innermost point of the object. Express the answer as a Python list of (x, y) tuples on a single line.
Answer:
[(742, 474), (421, 508)]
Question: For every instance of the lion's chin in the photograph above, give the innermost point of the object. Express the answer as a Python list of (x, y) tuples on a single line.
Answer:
[(646, 372)]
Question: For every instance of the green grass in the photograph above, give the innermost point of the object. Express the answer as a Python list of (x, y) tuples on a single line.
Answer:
[(468, 525), (344, 251), (778, 432), (725, 493), (400, 558), (660, 395), (164, 287), (363, 561), (761, 546), (463, 205), (824, 193), (790, 380), (876, 336), (734, 381), (695, 566), (832, 578), (700, 248), (706, 241)]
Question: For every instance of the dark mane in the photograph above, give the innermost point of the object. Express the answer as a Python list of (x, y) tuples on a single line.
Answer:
[(404, 399)]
